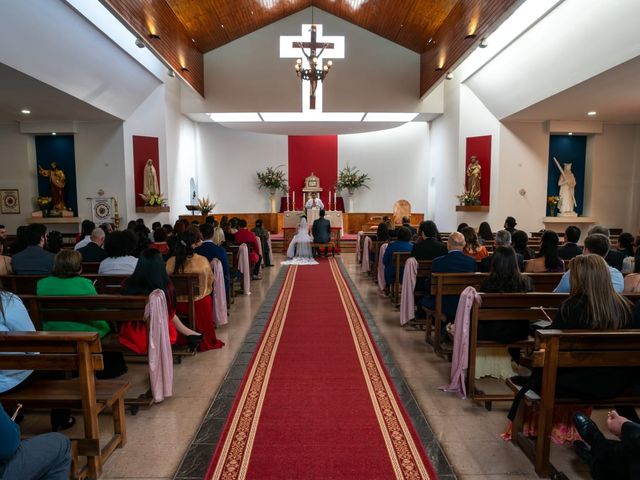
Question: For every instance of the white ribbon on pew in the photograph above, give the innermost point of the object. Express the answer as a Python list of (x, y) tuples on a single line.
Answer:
[(358, 250), (407, 299), (160, 355), (382, 284), (219, 294), (244, 268), (270, 249), (365, 254)]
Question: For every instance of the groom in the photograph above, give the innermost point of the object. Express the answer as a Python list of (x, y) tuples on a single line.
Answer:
[(321, 231)]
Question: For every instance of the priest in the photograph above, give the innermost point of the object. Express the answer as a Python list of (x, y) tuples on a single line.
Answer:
[(313, 207)]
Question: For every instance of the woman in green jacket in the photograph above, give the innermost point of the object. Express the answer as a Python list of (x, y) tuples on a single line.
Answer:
[(65, 280)]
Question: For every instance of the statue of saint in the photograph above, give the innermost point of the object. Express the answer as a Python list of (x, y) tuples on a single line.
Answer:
[(58, 180), (150, 185), (567, 184), (473, 178)]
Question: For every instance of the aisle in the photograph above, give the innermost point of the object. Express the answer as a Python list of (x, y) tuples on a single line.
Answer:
[(316, 401)]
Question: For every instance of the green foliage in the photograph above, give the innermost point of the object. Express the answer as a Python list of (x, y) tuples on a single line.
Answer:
[(350, 178), (273, 178)]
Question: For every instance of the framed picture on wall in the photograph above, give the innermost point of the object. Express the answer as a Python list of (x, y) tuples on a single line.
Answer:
[(9, 201)]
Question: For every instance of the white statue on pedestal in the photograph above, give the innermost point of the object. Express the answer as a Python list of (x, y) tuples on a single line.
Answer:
[(567, 184)]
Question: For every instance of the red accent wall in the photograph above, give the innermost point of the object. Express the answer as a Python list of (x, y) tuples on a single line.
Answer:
[(481, 148), (144, 148), (317, 155)]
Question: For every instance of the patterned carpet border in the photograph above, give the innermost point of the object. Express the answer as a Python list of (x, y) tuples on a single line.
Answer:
[(198, 456)]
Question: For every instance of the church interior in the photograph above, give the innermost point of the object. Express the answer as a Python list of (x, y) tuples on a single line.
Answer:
[(206, 94)]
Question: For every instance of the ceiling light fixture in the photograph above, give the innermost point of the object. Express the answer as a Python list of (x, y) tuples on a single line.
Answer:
[(449, 76), (25, 111), (139, 43), (470, 36), (235, 117), (439, 69), (592, 113), (389, 117), (53, 133), (483, 43), (310, 116), (184, 69), (154, 36), (570, 133)]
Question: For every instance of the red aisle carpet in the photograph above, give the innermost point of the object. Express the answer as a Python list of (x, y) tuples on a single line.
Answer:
[(316, 401)]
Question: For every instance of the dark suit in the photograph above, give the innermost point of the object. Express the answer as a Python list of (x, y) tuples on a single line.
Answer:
[(613, 258), (485, 263), (321, 230), (210, 250), (33, 260), (613, 459), (569, 250), (91, 252), (413, 230), (453, 262)]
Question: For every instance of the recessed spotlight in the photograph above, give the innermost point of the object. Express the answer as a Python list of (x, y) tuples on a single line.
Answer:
[(592, 113), (470, 36), (25, 111), (139, 43), (184, 69), (53, 133), (154, 36), (449, 76), (570, 133), (438, 69), (483, 43)]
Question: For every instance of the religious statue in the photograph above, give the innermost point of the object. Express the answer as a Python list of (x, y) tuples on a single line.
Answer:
[(58, 180), (567, 184), (473, 178), (150, 185)]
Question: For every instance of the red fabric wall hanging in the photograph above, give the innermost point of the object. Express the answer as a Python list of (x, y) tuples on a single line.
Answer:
[(144, 148), (481, 148)]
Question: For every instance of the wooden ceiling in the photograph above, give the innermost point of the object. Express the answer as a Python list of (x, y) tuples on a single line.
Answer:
[(410, 23), (441, 31)]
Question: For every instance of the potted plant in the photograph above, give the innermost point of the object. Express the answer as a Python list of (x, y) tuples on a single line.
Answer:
[(552, 203), (273, 179), (205, 205), (468, 199), (153, 199), (351, 179)]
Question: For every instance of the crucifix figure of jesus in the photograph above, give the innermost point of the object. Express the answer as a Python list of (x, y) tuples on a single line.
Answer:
[(320, 47)]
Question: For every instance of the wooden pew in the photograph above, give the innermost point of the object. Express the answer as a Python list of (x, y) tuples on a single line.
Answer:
[(506, 307), (374, 258), (68, 351), (423, 275), (455, 283), (556, 349), (185, 284), (399, 259), (90, 267)]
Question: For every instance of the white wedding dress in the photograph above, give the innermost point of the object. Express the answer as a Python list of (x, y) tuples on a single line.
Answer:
[(299, 251)]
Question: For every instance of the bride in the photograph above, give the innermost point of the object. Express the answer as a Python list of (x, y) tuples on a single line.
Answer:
[(299, 251)]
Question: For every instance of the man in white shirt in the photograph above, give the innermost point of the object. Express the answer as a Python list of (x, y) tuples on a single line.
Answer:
[(597, 244), (87, 227), (313, 206)]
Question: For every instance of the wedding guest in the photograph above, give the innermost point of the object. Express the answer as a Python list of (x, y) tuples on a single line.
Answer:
[(187, 261), (93, 251), (472, 247), (160, 241), (5, 261), (570, 248), (547, 259), (625, 244), (120, 261), (484, 233), (34, 259), (510, 225), (519, 240), (54, 242), (86, 228), (20, 242), (263, 234), (402, 244)]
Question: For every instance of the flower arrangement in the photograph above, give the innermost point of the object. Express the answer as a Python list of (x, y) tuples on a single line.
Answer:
[(205, 205), (350, 178), (468, 198), (273, 178), (153, 199), (44, 203), (552, 203)]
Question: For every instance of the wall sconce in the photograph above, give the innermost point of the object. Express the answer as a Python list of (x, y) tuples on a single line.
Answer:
[(449, 76)]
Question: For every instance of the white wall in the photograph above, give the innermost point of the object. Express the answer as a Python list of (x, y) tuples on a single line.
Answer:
[(445, 142), (227, 164), (99, 151), (18, 167), (397, 161)]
